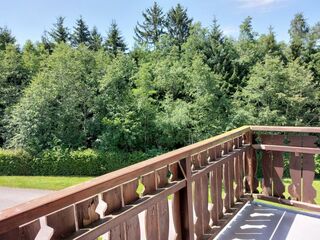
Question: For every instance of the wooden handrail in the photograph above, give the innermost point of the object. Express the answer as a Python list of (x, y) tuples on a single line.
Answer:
[(26, 212), (286, 129), (291, 149)]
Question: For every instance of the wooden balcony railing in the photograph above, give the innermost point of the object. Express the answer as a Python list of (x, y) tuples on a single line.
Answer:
[(297, 146), (177, 188)]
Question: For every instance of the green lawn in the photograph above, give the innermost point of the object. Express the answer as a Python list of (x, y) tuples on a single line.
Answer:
[(41, 182)]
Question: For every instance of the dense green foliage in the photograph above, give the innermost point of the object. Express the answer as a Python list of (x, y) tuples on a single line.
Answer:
[(180, 83), (65, 162)]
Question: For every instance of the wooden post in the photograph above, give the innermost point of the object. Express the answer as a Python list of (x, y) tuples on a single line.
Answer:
[(186, 205)]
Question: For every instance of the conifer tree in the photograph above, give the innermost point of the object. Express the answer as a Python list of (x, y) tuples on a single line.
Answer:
[(81, 33), (114, 42), (246, 30), (6, 38), (178, 24), (96, 39), (152, 28), (59, 33), (298, 32)]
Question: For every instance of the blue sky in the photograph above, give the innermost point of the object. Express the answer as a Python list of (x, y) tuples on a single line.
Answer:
[(28, 19)]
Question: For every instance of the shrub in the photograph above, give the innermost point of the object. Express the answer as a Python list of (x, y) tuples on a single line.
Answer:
[(65, 162), (15, 162)]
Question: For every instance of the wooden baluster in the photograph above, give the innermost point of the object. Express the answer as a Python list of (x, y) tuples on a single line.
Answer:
[(86, 213), (163, 206), (176, 213), (267, 167), (151, 218), (29, 231), (114, 201), (278, 167), (295, 169), (186, 203), (226, 181), (205, 192), (198, 200), (237, 177), (214, 188), (219, 182), (130, 195), (308, 165), (231, 173), (62, 222)]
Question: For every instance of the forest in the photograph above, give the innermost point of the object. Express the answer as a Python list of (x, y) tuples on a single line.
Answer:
[(76, 97)]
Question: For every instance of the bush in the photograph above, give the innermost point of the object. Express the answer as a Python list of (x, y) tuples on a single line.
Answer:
[(65, 162), (15, 162)]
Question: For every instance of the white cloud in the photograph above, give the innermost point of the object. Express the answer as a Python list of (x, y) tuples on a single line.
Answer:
[(258, 3)]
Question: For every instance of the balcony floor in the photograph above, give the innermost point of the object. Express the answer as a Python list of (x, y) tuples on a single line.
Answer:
[(262, 221)]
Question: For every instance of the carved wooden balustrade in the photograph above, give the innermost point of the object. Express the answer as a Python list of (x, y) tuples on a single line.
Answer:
[(191, 192), (296, 146)]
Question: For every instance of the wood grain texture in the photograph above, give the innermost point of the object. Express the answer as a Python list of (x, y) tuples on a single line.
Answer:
[(30, 230), (295, 166), (62, 222), (86, 212), (113, 198), (176, 175), (130, 195)]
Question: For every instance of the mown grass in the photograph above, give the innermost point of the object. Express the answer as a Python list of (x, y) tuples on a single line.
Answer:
[(41, 182)]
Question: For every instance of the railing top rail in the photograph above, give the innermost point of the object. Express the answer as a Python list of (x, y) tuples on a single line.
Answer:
[(23, 213), (286, 129)]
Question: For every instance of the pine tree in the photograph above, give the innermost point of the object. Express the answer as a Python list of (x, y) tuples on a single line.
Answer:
[(47, 43), (246, 30), (298, 32), (178, 24), (152, 28), (114, 42), (96, 39), (6, 38), (81, 33), (59, 33)]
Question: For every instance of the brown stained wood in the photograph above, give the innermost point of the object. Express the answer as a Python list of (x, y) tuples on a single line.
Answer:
[(62, 222), (30, 230), (286, 129), (237, 169), (132, 227), (250, 171), (118, 232), (198, 226), (278, 148), (176, 175), (226, 183), (295, 165), (231, 175), (163, 206), (130, 195), (219, 191), (277, 174), (214, 196), (308, 172), (13, 234), (267, 167), (86, 212), (131, 211), (186, 203), (309, 192), (113, 198)]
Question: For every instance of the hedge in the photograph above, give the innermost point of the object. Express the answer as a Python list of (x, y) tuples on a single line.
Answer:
[(64, 162)]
